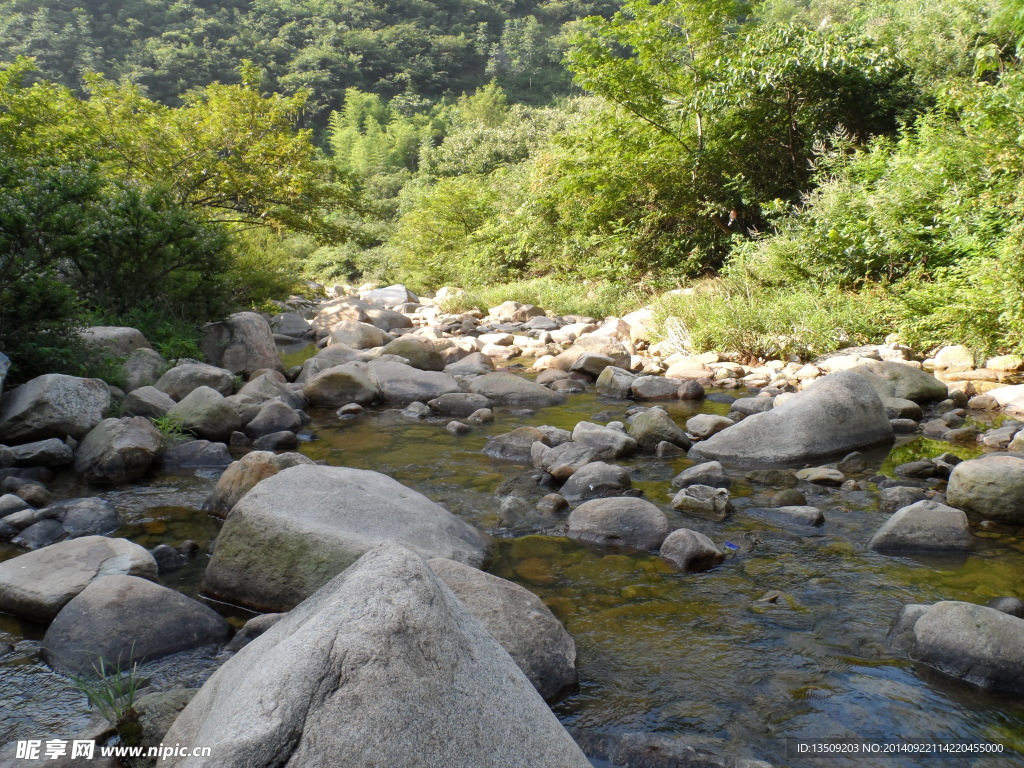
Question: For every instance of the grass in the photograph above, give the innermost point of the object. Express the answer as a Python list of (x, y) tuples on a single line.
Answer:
[(112, 692), (763, 323), (562, 296), (169, 426)]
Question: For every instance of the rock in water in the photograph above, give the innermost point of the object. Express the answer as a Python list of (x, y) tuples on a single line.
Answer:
[(382, 666), (517, 619), (991, 487), (122, 619), (972, 642), (838, 414), (925, 526), (53, 405), (38, 584), (296, 530), (118, 450)]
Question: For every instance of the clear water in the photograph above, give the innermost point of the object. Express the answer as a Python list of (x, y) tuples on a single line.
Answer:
[(788, 638)]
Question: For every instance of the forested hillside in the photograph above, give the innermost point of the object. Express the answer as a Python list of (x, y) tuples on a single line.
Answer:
[(821, 173)]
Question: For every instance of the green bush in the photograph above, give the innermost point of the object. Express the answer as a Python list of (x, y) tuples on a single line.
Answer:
[(761, 323), (563, 297)]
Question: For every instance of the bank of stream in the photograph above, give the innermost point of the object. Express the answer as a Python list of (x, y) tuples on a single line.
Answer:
[(788, 638)]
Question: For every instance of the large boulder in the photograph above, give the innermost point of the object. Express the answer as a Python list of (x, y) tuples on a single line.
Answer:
[(147, 401), (991, 487), (897, 380), (655, 426), (517, 619), (1010, 399), (511, 390), (837, 414), (118, 450), (615, 382), (143, 368), (42, 453), (113, 340), (459, 404), (418, 351), (183, 379), (926, 526), (391, 296), (242, 475), (975, 643), (296, 530), (402, 384), (358, 335), (125, 619), (241, 344), (383, 666), (606, 442), (624, 521), (274, 417), (206, 413), (290, 324), (38, 584), (338, 386), (596, 480), (53, 405)]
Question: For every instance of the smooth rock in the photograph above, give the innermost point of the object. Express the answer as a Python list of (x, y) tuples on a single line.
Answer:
[(338, 385), (241, 476), (596, 480), (148, 402), (709, 473), (419, 352), (703, 500), (112, 340), (789, 515), (704, 425), (410, 678), (655, 426), (42, 453), (207, 414), (622, 521), (898, 380), (516, 445), (837, 414), (143, 368), (183, 379), (38, 584), (606, 442), (402, 384), (564, 460), (516, 618), (53, 405), (990, 488), (925, 526), (510, 390), (613, 382), (118, 451), (459, 404), (124, 619), (690, 551), (297, 529)]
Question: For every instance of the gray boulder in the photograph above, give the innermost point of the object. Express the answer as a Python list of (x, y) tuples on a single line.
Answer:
[(273, 417), (53, 405), (241, 344), (297, 529), (42, 453), (563, 460), (897, 497), (273, 386), (623, 521), (118, 451), (597, 480), (38, 584), (597, 344), (390, 296), (606, 442), (338, 386), (419, 352), (516, 445), (207, 414), (358, 335), (703, 500), (837, 414), (980, 645), (474, 364), (388, 320), (709, 473), (704, 425), (516, 618), (125, 619), (615, 382), (991, 488), (655, 388), (241, 476), (290, 324), (402, 384), (147, 401), (143, 368), (925, 526), (409, 678), (896, 380), (459, 404), (655, 426), (183, 379), (690, 551), (195, 454), (789, 514), (511, 390), (112, 340)]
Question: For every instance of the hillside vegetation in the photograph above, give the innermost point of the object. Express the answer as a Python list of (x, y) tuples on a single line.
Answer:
[(821, 173)]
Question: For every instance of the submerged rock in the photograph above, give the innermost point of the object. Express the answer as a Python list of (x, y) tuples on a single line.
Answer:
[(409, 677)]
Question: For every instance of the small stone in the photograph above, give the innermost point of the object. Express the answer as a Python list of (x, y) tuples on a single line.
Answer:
[(690, 551), (822, 476), (552, 504), (709, 473), (458, 428), (350, 409)]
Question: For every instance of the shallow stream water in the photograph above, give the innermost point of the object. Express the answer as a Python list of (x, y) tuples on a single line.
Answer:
[(787, 639)]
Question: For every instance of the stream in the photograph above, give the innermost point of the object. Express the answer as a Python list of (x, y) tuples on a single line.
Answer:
[(788, 638)]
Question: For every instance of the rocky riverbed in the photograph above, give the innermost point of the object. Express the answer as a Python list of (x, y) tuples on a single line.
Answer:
[(738, 557)]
